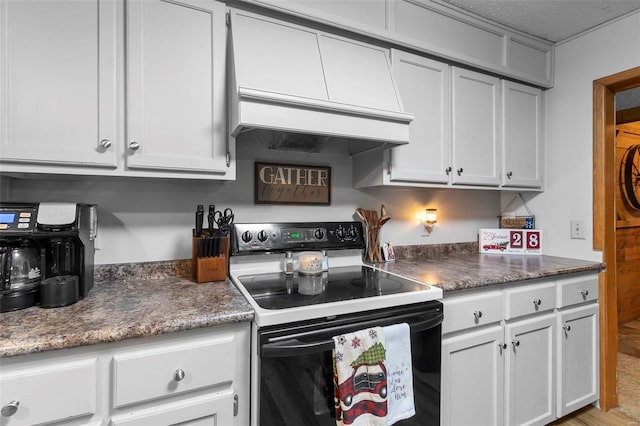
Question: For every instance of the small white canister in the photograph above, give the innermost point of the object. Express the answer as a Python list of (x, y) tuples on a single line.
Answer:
[(310, 262)]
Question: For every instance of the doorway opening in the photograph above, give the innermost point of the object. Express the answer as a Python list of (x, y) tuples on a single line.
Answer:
[(604, 221)]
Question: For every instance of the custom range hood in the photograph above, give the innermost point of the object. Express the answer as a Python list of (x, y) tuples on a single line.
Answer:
[(300, 88)]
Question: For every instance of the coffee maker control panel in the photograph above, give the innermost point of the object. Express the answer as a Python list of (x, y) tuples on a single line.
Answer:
[(17, 218)]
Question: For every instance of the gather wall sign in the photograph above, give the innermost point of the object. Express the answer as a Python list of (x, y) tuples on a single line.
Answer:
[(292, 184)]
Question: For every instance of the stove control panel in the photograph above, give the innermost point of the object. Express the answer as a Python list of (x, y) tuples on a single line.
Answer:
[(291, 236)]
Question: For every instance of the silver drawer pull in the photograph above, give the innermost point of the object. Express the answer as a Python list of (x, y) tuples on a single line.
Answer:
[(178, 375), (515, 342), (537, 302), (584, 292), (134, 146), (105, 143), (10, 409), (477, 314)]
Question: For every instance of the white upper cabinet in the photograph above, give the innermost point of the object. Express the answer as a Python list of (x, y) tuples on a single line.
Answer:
[(425, 87), (175, 85), (82, 94), (476, 130), (522, 135), (57, 82)]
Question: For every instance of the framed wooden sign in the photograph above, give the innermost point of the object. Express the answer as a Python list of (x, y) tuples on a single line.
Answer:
[(292, 184)]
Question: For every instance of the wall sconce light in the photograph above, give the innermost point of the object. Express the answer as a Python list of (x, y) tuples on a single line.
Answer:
[(429, 219)]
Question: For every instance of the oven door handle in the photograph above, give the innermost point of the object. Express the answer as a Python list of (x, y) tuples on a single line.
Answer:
[(305, 344)]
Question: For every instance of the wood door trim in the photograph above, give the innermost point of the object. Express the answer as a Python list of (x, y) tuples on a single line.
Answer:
[(604, 211)]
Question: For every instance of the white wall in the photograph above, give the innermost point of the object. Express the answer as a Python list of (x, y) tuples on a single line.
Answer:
[(149, 220), (569, 132)]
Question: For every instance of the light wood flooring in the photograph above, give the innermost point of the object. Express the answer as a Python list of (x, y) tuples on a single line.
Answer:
[(628, 343)]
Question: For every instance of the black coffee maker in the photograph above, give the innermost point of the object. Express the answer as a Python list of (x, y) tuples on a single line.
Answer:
[(47, 253)]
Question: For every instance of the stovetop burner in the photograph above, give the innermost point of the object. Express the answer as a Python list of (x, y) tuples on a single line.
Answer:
[(282, 291)]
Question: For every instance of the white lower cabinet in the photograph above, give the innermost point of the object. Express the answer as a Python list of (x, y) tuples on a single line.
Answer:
[(578, 343), (472, 377), (520, 354), (193, 377), (529, 395)]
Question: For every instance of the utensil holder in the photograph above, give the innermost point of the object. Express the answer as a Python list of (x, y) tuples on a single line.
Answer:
[(374, 253), (210, 268)]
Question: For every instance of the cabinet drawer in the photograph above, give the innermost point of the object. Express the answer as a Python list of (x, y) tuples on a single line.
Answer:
[(168, 370), (572, 291), (461, 312), (214, 409), (48, 394), (530, 299)]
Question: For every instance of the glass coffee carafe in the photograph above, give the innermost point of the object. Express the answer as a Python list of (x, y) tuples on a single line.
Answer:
[(21, 273)]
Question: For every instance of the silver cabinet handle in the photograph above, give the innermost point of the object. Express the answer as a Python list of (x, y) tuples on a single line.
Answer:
[(566, 327), (509, 174), (105, 143), (178, 375), (502, 345), (477, 314), (448, 170), (515, 342), (584, 292), (537, 302), (10, 409), (460, 170), (134, 146)]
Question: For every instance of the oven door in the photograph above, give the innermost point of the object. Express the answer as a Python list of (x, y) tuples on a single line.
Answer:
[(296, 365)]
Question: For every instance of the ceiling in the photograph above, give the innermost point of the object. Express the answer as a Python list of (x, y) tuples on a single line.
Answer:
[(553, 20)]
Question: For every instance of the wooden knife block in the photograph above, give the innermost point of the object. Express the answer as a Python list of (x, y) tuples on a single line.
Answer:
[(214, 268)]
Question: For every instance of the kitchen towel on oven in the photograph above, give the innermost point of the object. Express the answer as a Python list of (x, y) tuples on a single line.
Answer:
[(400, 402), (360, 378)]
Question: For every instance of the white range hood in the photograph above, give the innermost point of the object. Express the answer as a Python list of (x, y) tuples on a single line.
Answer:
[(308, 87)]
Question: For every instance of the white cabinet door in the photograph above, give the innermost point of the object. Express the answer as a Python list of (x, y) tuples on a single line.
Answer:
[(476, 128), (578, 360), (529, 368), (473, 378), (425, 89), (57, 82), (175, 85), (522, 135)]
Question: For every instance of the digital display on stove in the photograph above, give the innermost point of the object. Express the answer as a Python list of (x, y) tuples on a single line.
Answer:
[(294, 235), (7, 218)]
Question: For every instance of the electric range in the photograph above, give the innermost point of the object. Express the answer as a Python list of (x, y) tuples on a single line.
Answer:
[(258, 267)]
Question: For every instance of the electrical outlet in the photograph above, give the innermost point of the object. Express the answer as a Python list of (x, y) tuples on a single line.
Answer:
[(577, 229)]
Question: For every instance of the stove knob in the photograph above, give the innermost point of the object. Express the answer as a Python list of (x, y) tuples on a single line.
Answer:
[(246, 236), (340, 233), (319, 234), (262, 236)]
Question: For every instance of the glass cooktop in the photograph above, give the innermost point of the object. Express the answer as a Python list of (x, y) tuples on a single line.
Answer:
[(280, 291)]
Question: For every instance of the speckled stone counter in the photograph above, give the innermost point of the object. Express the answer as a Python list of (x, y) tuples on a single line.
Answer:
[(123, 309), (465, 270)]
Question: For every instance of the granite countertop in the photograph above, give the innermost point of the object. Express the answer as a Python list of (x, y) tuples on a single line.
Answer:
[(123, 309), (467, 270), (138, 300)]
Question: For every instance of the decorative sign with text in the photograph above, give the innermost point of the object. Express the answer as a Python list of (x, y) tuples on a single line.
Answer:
[(510, 241), (292, 184)]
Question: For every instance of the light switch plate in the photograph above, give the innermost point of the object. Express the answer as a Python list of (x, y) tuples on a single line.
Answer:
[(577, 229)]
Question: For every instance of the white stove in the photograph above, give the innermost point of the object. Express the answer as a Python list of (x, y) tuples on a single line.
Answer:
[(298, 312), (258, 269)]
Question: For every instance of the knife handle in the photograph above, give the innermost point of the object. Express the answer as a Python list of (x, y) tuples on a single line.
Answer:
[(199, 219)]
